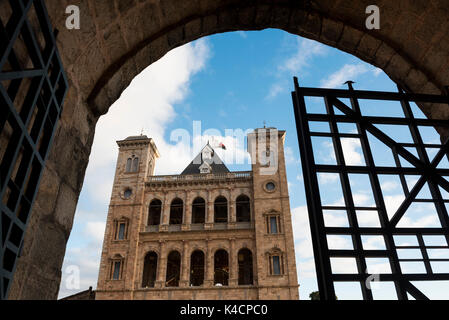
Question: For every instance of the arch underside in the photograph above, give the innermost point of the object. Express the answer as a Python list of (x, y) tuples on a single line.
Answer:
[(118, 39)]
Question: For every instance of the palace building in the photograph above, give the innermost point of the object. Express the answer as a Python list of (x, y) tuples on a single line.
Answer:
[(206, 233)]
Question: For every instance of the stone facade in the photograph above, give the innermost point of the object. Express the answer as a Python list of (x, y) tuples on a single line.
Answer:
[(131, 234)]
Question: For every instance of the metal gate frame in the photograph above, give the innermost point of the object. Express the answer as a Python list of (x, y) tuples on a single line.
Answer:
[(422, 166), (33, 87)]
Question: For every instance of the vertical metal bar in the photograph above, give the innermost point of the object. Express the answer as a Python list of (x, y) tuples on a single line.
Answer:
[(15, 208), (319, 241), (426, 169), (378, 197), (433, 185), (349, 201), (422, 247)]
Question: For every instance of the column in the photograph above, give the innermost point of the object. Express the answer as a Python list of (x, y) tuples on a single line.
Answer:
[(161, 265), (233, 264), (209, 267), (165, 214), (185, 267), (209, 212), (232, 210), (187, 219)]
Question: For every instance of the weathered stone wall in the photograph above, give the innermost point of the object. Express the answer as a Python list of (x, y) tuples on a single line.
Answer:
[(119, 38)]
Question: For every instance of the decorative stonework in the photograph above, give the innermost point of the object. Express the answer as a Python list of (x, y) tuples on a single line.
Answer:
[(209, 237)]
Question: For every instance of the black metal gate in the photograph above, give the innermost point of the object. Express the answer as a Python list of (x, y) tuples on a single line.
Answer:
[(409, 159), (33, 86)]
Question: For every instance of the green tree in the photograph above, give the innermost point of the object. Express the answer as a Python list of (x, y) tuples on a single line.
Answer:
[(314, 295)]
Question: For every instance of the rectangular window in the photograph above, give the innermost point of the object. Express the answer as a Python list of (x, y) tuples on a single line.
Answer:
[(276, 265), (121, 231), (116, 274), (273, 225)]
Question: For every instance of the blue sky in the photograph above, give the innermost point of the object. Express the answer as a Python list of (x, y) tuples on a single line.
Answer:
[(232, 81)]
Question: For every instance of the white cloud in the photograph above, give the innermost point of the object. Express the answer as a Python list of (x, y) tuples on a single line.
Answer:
[(147, 103), (368, 218), (301, 232), (337, 242), (373, 243), (362, 199), (95, 230), (335, 218), (377, 71), (328, 177), (352, 151), (343, 265), (306, 268), (347, 72), (289, 155), (243, 34), (305, 263), (389, 186), (83, 257), (87, 261), (275, 90), (420, 215), (392, 203), (306, 51), (378, 266)]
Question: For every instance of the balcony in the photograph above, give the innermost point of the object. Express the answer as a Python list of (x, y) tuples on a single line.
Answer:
[(200, 227), (240, 175)]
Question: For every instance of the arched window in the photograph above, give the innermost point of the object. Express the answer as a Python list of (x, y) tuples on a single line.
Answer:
[(154, 213), (245, 260), (135, 167), (132, 164), (198, 210), (197, 268), (243, 208), (221, 210), (128, 164), (221, 268), (176, 210), (173, 269), (149, 270)]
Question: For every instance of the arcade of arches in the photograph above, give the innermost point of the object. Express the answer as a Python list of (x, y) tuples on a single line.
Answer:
[(221, 268), (221, 212), (118, 39)]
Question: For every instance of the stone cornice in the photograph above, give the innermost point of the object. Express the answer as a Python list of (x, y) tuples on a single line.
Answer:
[(200, 179)]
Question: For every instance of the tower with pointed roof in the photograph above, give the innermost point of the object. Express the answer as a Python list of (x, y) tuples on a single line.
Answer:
[(207, 233)]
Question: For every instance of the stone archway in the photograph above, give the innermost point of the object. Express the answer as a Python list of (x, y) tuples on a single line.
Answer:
[(119, 38)]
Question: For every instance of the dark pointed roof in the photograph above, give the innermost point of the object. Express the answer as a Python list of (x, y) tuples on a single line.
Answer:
[(217, 165), (141, 137)]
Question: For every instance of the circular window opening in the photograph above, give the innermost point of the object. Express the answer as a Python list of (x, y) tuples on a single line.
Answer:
[(128, 193), (270, 186)]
